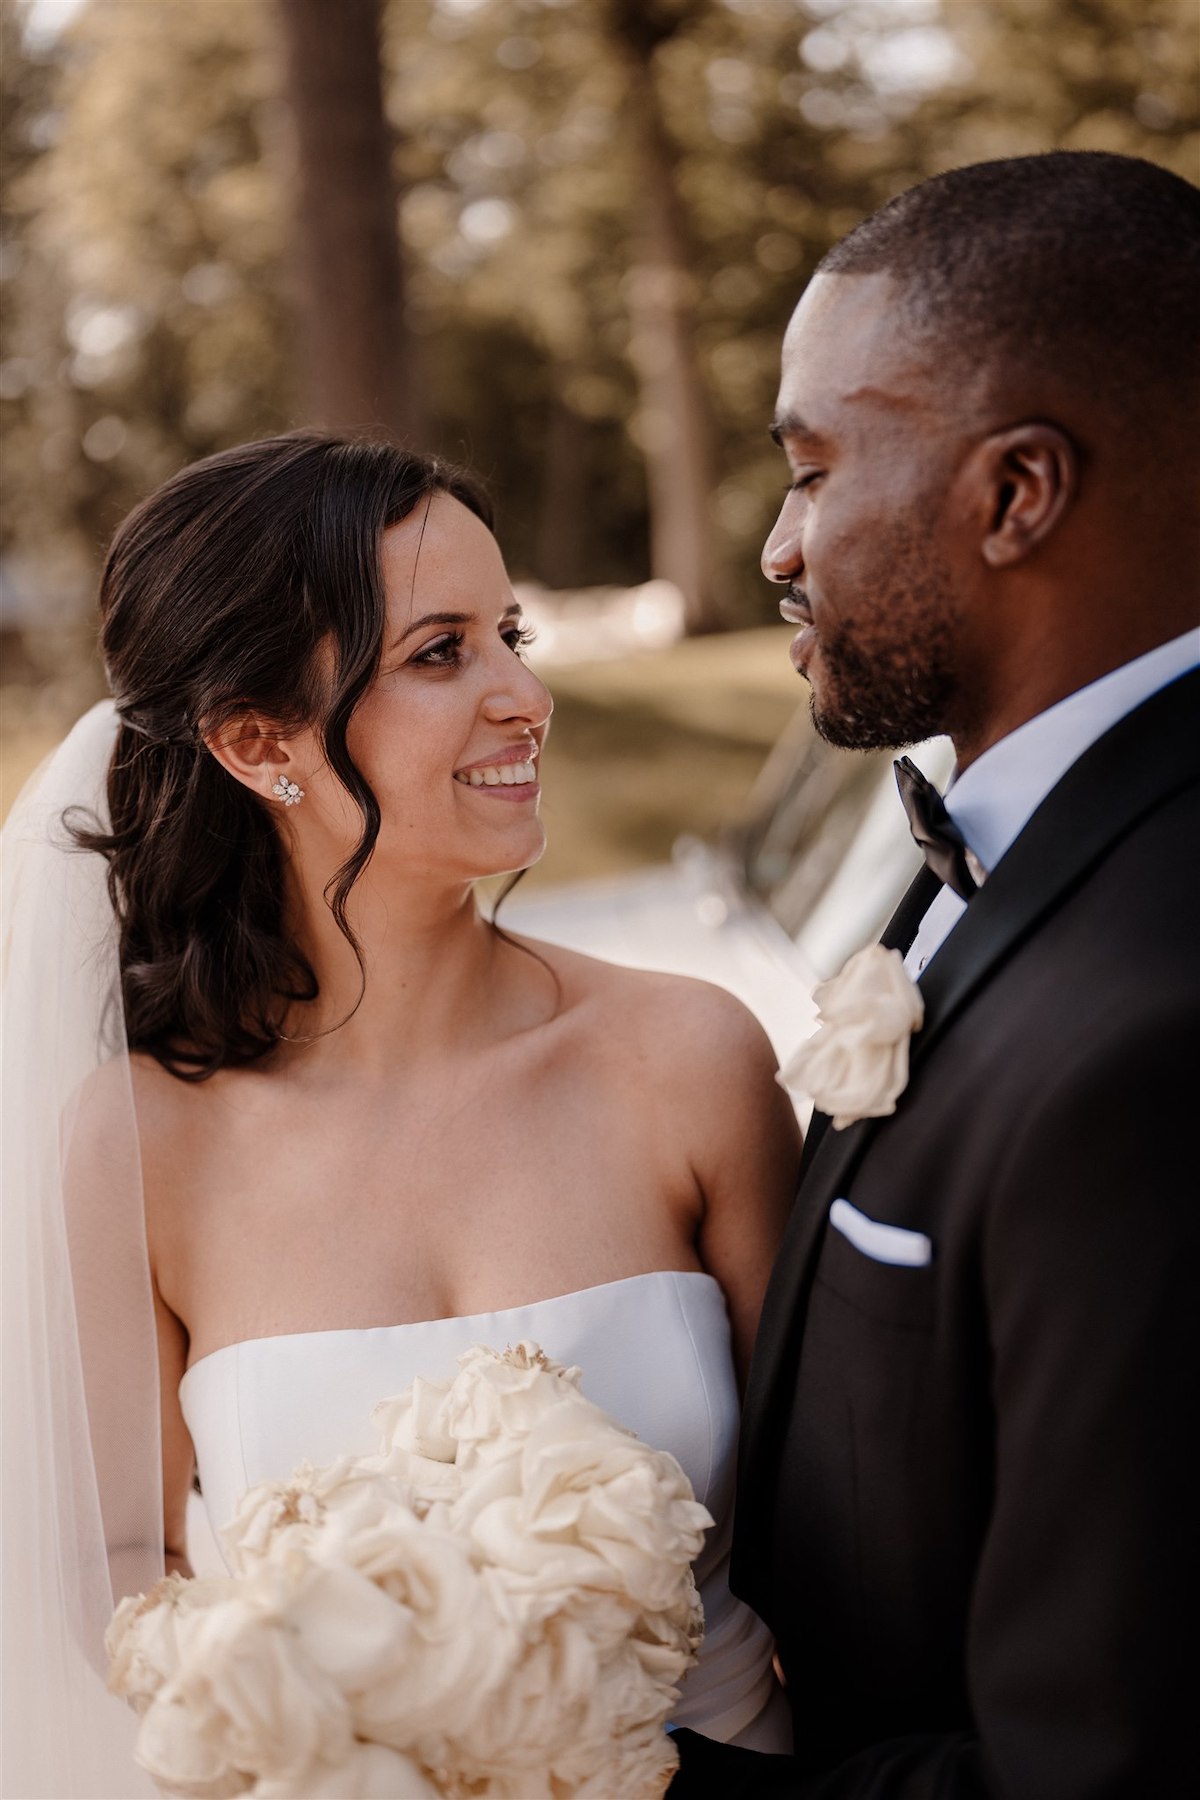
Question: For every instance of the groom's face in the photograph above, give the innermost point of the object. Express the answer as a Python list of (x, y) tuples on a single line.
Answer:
[(876, 566)]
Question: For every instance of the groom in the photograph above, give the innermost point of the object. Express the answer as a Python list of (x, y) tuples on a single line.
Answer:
[(966, 1504)]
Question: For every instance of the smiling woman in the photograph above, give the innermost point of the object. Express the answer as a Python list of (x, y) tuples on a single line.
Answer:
[(244, 612), (371, 1127), (452, 680)]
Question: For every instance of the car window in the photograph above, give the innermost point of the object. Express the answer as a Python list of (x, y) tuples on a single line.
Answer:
[(824, 843)]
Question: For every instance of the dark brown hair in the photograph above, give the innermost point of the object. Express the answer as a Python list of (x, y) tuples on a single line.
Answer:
[(250, 579)]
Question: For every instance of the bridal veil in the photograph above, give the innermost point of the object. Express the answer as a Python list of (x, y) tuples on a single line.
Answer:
[(82, 1476)]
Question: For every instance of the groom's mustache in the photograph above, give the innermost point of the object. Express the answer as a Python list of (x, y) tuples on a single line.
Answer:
[(794, 605)]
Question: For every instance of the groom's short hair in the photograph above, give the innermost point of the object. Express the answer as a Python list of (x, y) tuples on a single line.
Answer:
[(1082, 264)]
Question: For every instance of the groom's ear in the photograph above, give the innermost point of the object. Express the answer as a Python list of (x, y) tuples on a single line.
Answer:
[(1028, 477)]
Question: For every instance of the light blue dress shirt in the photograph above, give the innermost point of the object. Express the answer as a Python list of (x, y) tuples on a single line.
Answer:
[(993, 800)]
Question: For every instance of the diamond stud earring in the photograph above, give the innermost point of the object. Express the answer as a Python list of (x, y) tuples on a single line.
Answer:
[(288, 791)]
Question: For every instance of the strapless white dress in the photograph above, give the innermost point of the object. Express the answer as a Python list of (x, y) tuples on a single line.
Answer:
[(655, 1353)]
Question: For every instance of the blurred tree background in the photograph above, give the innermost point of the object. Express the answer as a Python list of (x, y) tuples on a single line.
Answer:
[(556, 239)]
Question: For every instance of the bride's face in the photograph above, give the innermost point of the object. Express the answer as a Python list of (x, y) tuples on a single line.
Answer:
[(450, 732)]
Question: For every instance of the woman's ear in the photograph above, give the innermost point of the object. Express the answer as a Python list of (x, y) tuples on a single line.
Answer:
[(1032, 475), (254, 751)]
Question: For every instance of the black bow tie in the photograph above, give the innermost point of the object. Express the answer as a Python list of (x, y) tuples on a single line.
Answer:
[(941, 842)]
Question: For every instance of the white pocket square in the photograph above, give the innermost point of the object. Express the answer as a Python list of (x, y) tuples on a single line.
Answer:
[(882, 1243)]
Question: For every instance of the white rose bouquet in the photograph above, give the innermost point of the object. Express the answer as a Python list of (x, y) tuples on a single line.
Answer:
[(500, 1604)]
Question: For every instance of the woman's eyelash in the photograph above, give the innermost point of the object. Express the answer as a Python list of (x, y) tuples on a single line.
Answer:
[(802, 481), (441, 654), (444, 652)]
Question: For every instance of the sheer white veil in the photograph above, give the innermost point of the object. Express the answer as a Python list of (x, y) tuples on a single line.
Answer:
[(82, 1473)]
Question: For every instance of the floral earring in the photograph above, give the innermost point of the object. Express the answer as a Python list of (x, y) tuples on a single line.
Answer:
[(288, 791)]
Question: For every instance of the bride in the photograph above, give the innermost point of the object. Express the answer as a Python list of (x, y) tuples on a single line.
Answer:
[(358, 1127)]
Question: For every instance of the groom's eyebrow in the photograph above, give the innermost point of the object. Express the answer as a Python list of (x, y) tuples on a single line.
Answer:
[(791, 425)]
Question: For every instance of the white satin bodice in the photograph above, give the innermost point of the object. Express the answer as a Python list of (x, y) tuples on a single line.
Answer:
[(655, 1353)]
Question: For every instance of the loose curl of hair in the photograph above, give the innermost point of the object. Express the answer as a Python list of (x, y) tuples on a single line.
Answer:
[(249, 580)]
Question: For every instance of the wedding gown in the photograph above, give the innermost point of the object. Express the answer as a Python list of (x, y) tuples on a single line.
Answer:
[(655, 1353)]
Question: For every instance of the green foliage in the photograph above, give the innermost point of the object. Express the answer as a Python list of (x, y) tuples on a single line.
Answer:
[(146, 192), (146, 318), (1082, 75)]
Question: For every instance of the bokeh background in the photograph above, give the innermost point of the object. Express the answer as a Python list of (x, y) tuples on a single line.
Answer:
[(558, 240)]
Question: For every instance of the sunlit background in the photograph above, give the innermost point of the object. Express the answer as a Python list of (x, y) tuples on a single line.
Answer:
[(556, 239)]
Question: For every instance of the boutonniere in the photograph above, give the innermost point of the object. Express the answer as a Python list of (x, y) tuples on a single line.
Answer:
[(855, 1065)]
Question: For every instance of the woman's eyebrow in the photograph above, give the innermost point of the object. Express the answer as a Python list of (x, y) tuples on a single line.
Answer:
[(448, 618)]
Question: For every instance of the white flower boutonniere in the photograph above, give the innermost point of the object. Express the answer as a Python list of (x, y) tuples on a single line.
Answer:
[(855, 1065)]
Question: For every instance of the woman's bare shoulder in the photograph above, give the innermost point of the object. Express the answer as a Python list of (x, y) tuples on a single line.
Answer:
[(185, 1126), (125, 1089), (168, 1109), (691, 1018), (128, 1123)]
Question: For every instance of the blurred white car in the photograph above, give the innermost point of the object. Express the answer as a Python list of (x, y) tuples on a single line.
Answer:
[(810, 872)]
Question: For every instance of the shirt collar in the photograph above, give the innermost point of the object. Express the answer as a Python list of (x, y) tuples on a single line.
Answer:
[(993, 800)]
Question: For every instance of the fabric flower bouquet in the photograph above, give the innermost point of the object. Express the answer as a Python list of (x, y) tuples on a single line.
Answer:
[(499, 1604)]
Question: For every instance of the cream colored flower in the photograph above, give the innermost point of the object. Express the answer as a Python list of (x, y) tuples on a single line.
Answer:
[(569, 1720), (542, 1704), (435, 1435), (641, 1766), (369, 1772), (588, 1556), (246, 1696), (639, 1761), (388, 1607), (282, 1514), (635, 1507), (427, 1480), (272, 1506), (456, 1650), (415, 1421), (367, 1527), (183, 1752), (590, 1494), (500, 1603), (350, 1629), (146, 1633), (498, 1397), (855, 1066)]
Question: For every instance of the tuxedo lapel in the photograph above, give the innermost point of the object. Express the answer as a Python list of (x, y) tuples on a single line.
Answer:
[(1139, 764), (782, 1319), (828, 1157)]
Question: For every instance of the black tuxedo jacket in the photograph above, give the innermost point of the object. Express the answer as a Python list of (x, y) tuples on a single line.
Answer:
[(966, 1501)]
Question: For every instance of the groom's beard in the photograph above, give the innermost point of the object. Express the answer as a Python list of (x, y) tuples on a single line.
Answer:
[(887, 674)]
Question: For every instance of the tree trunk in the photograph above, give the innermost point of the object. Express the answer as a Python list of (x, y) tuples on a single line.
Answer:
[(561, 538), (358, 364), (675, 427)]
